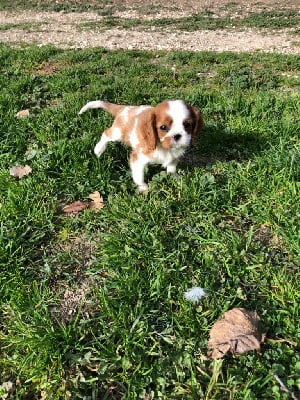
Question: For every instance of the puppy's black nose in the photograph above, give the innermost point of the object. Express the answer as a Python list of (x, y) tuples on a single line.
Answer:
[(177, 137)]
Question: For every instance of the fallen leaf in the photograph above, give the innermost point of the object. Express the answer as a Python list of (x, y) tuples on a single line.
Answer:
[(30, 154), (75, 207), (7, 386), (97, 202), (236, 331), (23, 114), (20, 171)]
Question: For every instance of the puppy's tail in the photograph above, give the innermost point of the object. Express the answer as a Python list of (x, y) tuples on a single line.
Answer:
[(113, 109)]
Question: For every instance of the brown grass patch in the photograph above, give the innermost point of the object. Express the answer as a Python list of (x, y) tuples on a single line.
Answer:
[(49, 67), (74, 301)]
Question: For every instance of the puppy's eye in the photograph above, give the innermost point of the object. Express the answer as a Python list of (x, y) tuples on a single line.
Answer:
[(163, 127), (187, 125)]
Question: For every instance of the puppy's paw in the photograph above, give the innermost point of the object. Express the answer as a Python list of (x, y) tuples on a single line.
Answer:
[(175, 176), (143, 188), (99, 149)]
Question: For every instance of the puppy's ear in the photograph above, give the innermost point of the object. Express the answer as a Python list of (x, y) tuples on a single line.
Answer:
[(198, 123), (146, 130)]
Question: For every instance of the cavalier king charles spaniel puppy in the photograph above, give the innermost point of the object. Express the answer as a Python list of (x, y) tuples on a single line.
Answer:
[(156, 135)]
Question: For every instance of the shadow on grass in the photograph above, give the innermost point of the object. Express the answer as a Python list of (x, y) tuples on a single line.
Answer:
[(216, 144)]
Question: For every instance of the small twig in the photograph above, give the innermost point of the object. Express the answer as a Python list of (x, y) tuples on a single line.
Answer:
[(284, 388), (290, 342)]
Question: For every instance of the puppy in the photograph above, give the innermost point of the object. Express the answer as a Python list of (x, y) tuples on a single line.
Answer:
[(156, 135)]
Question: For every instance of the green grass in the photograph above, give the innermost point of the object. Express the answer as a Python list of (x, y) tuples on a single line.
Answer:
[(92, 305), (266, 19), (26, 26), (99, 6)]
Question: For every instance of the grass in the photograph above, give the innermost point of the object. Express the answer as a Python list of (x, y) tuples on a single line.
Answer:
[(99, 6), (266, 19), (272, 18), (92, 304), (26, 26)]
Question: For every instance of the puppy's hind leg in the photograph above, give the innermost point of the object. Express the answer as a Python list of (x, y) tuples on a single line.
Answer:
[(102, 144), (137, 165), (109, 135)]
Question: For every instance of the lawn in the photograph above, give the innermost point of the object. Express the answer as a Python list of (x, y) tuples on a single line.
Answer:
[(92, 303)]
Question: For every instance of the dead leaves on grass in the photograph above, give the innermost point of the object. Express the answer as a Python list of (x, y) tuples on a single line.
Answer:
[(23, 113), (236, 331), (20, 171), (96, 203), (75, 207)]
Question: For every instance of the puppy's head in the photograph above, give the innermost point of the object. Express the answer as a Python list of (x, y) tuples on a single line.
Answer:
[(172, 124), (177, 124)]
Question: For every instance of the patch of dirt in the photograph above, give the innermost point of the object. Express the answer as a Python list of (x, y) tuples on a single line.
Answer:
[(74, 300), (48, 68), (61, 29), (74, 289)]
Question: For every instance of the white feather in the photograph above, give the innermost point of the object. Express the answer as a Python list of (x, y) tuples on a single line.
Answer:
[(195, 294)]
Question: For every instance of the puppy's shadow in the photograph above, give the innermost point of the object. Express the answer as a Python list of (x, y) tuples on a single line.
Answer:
[(217, 144)]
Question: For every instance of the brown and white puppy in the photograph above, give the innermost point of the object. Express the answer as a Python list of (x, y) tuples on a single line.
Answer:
[(156, 135)]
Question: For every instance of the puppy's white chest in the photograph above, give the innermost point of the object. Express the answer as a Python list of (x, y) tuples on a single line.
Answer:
[(166, 156)]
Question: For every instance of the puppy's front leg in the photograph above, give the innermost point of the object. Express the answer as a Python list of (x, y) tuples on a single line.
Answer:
[(137, 164), (171, 169)]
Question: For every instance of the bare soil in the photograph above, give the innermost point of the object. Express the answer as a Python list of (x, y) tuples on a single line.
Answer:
[(61, 29)]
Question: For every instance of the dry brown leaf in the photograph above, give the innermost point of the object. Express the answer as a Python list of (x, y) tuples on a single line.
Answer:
[(75, 207), (23, 114), (20, 171), (236, 331), (97, 202)]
